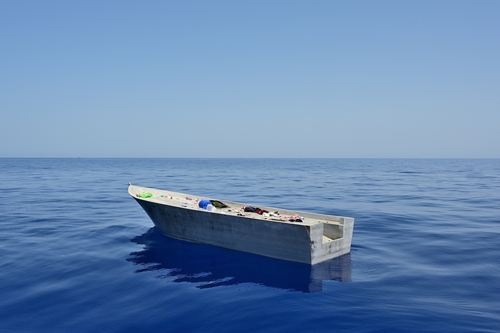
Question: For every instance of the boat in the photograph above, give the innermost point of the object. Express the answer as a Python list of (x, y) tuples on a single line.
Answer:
[(284, 234)]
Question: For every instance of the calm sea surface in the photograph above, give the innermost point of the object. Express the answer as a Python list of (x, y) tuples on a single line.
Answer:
[(77, 254)]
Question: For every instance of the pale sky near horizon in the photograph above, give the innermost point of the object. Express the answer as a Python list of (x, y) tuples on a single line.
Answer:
[(388, 79)]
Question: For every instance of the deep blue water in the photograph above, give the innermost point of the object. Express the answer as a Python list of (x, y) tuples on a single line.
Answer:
[(77, 254)]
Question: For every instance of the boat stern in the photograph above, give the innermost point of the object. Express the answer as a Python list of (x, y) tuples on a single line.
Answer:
[(331, 239)]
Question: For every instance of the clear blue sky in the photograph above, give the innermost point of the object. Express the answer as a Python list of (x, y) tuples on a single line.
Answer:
[(250, 79)]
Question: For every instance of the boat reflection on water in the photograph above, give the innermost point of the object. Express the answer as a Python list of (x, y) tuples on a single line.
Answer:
[(210, 266)]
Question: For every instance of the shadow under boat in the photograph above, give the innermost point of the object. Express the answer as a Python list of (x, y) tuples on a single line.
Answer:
[(211, 266)]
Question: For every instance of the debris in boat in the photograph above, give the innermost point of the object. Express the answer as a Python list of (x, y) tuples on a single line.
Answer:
[(218, 204), (204, 203), (257, 210), (295, 218), (207, 205), (145, 195)]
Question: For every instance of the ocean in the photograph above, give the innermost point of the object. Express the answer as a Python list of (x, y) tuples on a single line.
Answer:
[(78, 254)]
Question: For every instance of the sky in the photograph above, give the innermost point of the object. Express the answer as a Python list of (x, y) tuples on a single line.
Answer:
[(250, 79)]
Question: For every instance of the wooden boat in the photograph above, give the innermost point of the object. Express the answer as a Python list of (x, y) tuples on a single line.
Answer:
[(277, 233)]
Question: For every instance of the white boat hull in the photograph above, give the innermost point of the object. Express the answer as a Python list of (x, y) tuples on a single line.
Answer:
[(317, 238)]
